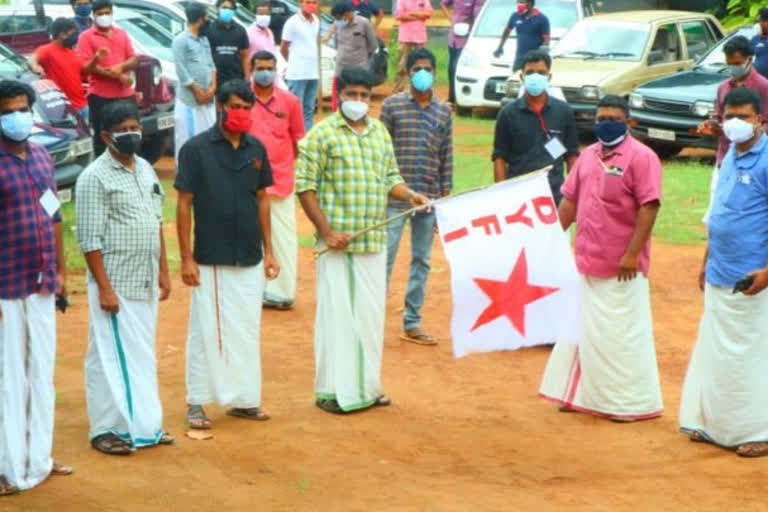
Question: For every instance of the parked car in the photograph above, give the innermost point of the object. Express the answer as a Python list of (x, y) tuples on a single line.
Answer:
[(666, 112), (57, 127), (480, 77), (614, 53)]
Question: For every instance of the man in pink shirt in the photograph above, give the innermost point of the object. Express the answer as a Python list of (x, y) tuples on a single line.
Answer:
[(278, 122), (613, 193), (260, 37), (110, 80), (412, 34)]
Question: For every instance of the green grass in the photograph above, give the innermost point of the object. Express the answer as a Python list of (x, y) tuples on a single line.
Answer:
[(441, 59)]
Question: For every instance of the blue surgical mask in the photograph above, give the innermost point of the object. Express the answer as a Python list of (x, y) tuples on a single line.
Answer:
[(17, 125), (264, 77), (610, 132), (226, 15), (83, 10), (535, 84), (422, 80)]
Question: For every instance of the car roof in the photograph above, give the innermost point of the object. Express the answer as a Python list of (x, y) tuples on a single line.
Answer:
[(648, 16), (54, 11)]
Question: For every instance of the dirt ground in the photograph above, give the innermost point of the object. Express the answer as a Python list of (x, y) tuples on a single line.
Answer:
[(465, 434)]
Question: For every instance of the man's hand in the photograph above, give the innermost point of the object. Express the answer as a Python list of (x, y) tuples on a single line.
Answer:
[(190, 273), (125, 79), (336, 241), (61, 283), (760, 283), (164, 281), (702, 279), (101, 53), (628, 267), (37, 69), (708, 128), (499, 52), (108, 300), (271, 268), (419, 200)]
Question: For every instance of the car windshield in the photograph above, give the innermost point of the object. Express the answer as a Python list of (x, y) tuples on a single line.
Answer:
[(562, 15), (150, 35), (11, 64), (715, 59), (611, 40)]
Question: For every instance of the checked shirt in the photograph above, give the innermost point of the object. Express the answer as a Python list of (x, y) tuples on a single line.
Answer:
[(352, 175)]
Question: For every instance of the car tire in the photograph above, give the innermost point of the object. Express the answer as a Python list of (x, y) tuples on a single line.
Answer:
[(664, 151), (464, 111), (154, 147)]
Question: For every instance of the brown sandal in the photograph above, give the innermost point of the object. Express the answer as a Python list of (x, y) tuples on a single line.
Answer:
[(111, 445), (6, 489), (196, 418), (752, 450), (249, 413), (166, 439), (418, 337), (382, 401)]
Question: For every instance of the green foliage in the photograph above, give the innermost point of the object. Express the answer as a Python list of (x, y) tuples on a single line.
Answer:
[(741, 12)]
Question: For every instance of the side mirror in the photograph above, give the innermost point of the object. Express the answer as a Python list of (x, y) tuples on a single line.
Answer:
[(461, 29)]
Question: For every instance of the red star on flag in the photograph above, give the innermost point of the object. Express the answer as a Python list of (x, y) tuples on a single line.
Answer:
[(509, 298)]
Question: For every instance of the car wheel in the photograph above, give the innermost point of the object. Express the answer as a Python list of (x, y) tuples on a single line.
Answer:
[(464, 111), (154, 147), (664, 151)]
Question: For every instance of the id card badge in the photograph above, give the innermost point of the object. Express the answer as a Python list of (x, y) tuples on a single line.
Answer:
[(50, 202), (555, 148)]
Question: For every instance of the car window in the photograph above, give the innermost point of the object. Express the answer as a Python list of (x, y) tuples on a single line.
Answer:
[(666, 45), (611, 40), (11, 64), (169, 23), (715, 59), (152, 37), (562, 14), (698, 39), (18, 23)]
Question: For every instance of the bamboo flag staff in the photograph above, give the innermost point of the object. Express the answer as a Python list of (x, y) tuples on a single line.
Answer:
[(319, 64), (431, 205)]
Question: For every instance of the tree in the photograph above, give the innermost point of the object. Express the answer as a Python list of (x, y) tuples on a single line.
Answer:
[(741, 12)]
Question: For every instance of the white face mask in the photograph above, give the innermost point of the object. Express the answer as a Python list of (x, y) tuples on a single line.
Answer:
[(737, 130), (103, 21), (354, 110), (263, 20)]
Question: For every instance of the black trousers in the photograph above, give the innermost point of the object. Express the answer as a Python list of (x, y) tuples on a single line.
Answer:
[(96, 106), (453, 59)]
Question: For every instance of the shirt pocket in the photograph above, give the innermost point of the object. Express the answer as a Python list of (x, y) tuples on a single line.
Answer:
[(740, 192), (612, 188)]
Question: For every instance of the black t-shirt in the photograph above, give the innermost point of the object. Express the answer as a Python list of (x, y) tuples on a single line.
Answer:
[(225, 182), (520, 139), (227, 41)]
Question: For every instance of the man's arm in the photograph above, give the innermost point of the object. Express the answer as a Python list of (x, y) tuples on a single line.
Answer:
[(34, 64), (646, 218), (311, 206), (567, 213), (502, 144), (371, 41), (446, 159), (499, 169), (271, 267), (61, 263), (285, 48), (165, 277), (107, 297), (703, 272), (190, 273), (504, 36), (246, 64)]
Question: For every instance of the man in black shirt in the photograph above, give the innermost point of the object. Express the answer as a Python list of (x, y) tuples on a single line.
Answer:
[(536, 130), (223, 175), (229, 44)]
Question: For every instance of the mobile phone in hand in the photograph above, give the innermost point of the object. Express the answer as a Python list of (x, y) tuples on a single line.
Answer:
[(61, 303)]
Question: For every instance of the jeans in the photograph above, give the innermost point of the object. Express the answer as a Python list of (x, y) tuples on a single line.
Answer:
[(453, 59), (422, 233), (306, 91)]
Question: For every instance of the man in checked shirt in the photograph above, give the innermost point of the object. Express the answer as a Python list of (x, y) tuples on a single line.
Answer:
[(31, 272), (119, 219), (421, 129)]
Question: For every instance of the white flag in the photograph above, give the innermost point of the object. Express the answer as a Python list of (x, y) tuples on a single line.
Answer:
[(513, 276)]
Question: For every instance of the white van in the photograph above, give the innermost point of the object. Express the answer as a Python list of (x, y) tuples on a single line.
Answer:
[(480, 77)]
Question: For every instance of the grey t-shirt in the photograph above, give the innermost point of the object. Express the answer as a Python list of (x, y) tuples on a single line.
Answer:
[(355, 43), (194, 64)]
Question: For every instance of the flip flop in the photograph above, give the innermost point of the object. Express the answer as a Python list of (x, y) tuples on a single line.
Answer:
[(418, 337), (196, 418), (110, 444), (249, 413), (752, 450), (61, 469), (7, 489), (329, 405), (382, 401), (166, 439)]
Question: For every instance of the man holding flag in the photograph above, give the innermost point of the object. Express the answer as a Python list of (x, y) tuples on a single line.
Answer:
[(345, 172), (613, 193)]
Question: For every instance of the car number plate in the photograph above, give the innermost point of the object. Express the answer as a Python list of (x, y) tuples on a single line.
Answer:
[(82, 147), (165, 122), (65, 196), (501, 87), (655, 133)]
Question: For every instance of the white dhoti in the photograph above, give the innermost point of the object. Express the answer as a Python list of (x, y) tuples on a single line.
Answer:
[(724, 393), (121, 371), (189, 121), (285, 246), (27, 396), (612, 372), (349, 327), (223, 351)]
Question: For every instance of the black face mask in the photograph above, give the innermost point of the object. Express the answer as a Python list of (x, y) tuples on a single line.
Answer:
[(70, 41), (127, 143), (204, 28)]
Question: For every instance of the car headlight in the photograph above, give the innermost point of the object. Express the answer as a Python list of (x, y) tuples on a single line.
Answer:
[(636, 100), (468, 60), (156, 74), (703, 108), (592, 92), (513, 88)]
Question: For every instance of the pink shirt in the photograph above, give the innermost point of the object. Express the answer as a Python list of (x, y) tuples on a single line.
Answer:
[(260, 39), (412, 31), (279, 125), (607, 202), (119, 50)]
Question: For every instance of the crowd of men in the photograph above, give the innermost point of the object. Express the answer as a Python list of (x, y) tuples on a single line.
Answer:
[(246, 147)]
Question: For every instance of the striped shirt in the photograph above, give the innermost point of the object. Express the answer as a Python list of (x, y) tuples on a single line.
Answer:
[(119, 212), (423, 141), (352, 175)]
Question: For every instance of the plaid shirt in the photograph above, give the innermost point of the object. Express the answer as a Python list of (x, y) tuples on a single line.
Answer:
[(27, 240), (423, 140), (119, 212), (352, 175)]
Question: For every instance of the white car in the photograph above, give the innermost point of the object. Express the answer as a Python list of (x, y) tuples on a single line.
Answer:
[(480, 77)]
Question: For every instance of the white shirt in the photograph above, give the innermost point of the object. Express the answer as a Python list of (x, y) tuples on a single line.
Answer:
[(302, 52)]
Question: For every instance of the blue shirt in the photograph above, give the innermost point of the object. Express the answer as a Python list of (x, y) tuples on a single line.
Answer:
[(365, 8), (531, 31), (760, 44), (738, 223), (82, 24)]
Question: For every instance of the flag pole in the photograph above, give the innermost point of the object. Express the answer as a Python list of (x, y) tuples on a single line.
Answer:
[(411, 211)]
